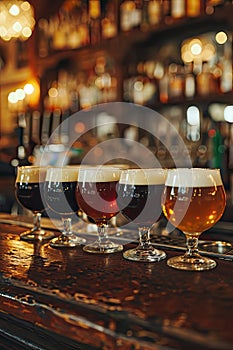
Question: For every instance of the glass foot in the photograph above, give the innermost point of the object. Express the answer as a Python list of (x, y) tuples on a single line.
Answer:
[(69, 241), (144, 255), (191, 263), (36, 235), (103, 248)]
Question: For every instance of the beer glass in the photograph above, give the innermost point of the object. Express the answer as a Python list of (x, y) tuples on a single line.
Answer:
[(29, 192), (193, 201), (60, 184), (96, 195), (139, 198)]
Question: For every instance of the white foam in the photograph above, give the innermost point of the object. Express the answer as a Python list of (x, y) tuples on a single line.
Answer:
[(99, 174), (193, 177), (31, 174), (62, 174), (119, 166), (143, 176)]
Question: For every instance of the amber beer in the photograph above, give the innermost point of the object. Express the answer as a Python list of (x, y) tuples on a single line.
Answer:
[(60, 188), (194, 203), (29, 187), (139, 195), (96, 193)]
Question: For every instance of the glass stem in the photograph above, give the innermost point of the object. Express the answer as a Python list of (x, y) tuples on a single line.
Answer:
[(102, 234), (192, 245), (67, 230), (37, 222), (144, 237)]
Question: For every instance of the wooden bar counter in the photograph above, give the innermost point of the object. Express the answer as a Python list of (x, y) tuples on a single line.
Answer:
[(69, 299)]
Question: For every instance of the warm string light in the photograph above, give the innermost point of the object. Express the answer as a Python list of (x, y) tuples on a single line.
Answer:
[(16, 20), (25, 97)]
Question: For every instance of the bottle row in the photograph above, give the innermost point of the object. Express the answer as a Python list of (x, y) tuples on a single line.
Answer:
[(149, 83), (84, 22), (79, 89), (153, 82)]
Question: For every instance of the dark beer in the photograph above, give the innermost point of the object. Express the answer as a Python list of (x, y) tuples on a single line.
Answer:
[(139, 195), (29, 191), (29, 187), (60, 197), (141, 203), (60, 188), (139, 199), (29, 195)]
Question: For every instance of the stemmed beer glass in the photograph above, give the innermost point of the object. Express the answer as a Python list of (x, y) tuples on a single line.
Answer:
[(96, 195), (193, 201), (60, 184), (29, 192), (139, 199)]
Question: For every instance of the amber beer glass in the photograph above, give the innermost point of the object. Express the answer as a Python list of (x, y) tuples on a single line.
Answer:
[(193, 201), (96, 195), (60, 185), (139, 198), (29, 192)]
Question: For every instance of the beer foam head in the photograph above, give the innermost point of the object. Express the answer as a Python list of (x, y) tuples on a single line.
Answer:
[(120, 166), (62, 174), (99, 174), (143, 176), (31, 174), (193, 177)]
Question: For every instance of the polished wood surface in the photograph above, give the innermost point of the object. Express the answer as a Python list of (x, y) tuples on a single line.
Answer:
[(86, 301)]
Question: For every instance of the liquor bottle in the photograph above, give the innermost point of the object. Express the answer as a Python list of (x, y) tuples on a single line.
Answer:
[(189, 82), (45, 129), (163, 86), (35, 134), (84, 25), (166, 12), (43, 46), (205, 81), (176, 81), (137, 13), (178, 9), (154, 12), (226, 76), (145, 25), (128, 82), (226, 67), (95, 21), (59, 25), (79, 25), (194, 8), (130, 14), (109, 22)]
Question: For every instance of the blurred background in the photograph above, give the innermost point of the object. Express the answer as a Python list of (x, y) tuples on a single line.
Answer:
[(60, 57)]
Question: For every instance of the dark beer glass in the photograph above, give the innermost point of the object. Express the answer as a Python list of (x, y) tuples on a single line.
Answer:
[(96, 196), (139, 198), (29, 192), (193, 201), (60, 188)]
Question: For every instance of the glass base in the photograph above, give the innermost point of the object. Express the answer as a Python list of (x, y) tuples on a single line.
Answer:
[(69, 241), (36, 235), (191, 263), (103, 248), (144, 255)]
